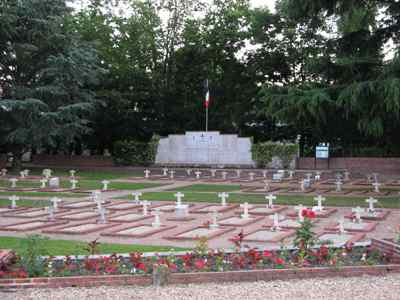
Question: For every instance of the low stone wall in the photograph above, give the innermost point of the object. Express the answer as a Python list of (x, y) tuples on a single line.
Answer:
[(204, 277), (354, 164)]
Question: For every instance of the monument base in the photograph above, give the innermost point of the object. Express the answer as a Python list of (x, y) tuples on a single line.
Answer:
[(212, 149)]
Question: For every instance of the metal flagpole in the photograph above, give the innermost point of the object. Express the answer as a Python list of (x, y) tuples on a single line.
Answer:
[(207, 103), (207, 118)]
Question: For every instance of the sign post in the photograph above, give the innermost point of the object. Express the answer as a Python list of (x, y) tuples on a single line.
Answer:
[(321, 152)]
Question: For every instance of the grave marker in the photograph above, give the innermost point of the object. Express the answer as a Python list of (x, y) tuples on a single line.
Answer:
[(371, 201), (13, 182), (245, 207), (22, 175), (179, 197), (264, 173), (72, 173), (55, 202), (197, 173), (147, 174), (43, 182), (224, 174), (136, 196), (319, 200), (73, 182), (3, 172), (13, 200), (105, 184), (357, 214), (103, 215), (270, 198), (213, 172), (50, 211), (251, 176), (291, 174), (171, 174), (223, 197), (165, 172), (338, 184), (376, 186), (189, 172)]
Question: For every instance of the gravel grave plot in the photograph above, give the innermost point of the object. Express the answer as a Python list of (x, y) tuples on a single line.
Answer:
[(360, 288)]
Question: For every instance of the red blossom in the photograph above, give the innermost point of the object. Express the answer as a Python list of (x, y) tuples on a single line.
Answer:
[(141, 266), (200, 264), (308, 213), (22, 274), (267, 253), (279, 261)]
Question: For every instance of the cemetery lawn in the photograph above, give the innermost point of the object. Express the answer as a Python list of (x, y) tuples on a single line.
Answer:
[(209, 188), (389, 202), (44, 194), (29, 203), (65, 247)]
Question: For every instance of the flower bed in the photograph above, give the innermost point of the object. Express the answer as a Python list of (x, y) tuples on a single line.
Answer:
[(389, 248)]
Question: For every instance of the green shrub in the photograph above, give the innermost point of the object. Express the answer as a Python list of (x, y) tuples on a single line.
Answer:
[(264, 152), (135, 153)]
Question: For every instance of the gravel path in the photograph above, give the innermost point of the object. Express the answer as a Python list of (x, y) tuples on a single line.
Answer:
[(360, 288)]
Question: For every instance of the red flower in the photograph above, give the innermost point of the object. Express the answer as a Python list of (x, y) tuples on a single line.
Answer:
[(173, 266), (200, 264), (22, 274), (308, 213), (267, 253), (279, 261), (324, 251)]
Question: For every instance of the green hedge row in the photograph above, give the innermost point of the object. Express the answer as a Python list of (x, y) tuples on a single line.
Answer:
[(130, 152), (264, 152)]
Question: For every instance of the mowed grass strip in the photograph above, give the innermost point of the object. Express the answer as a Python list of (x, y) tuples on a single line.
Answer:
[(44, 194), (29, 203), (260, 199), (67, 247), (209, 188)]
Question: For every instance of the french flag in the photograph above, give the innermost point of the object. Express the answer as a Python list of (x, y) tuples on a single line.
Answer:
[(207, 92)]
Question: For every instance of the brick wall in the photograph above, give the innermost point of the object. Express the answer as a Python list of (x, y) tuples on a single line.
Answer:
[(359, 164)]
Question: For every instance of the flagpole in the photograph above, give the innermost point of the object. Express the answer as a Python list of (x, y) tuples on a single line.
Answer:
[(207, 118)]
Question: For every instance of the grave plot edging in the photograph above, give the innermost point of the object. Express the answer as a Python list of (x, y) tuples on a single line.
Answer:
[(388, 247), (200, 277)]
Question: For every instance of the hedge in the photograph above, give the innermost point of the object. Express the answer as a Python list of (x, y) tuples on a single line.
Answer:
[(131, 152), (264, 152)]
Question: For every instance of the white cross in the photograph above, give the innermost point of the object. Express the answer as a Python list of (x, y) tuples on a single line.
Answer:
[(300, 209), (189, 172), (103, 214), (357, 213), (338, 184), (276, 218), (346, 175), (319, 200), (291, 173), (179, 197), (376, 186), (213, 172), (165, 171), (266, 185), (96, 195), (265, 172), (371, 201), (145, 204), (43, 183), (157, 222), (136, 196), (308, 176), (214, 216), (72, 173), (105, 184), (317, 176), (14, 200), (73, 183), (55, 202), (251, 176), (13, 182), (171, 174), (22, 174), (147, 174), (197, 173), (223, 197), (47, 173), (270, 198), (238, 173), (26, 172), (3, 172), (224, 174), (341, 226), (50, 210), (245, 207)]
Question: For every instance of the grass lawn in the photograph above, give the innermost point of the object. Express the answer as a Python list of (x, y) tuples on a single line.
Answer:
[(30, 203), (44, 194), (290, 200), (86, 174), (64, 247), (209, 188)]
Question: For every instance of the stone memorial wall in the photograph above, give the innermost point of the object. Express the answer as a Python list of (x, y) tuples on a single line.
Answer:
[(204, 148)]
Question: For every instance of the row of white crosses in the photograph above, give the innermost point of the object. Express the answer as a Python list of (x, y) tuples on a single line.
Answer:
[(23, 174)]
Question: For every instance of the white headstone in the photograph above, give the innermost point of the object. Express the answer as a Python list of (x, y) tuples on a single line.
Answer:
[(147, 174), (189, 172), (54, 182), (357, 213), (13, 182), (270, 198), (165, 171), (223, 197), (145, 204), (73, 182), (214, 216), (3, 172), (346, 175), (26, 172), (157, 222), (13, 200), (246, 208), (22, 174), (105, 184), (371, 201), (55, 202), (376, 186), (213, 172), (43, 182), (72, 173), (179, 197), (47, 173), (317, 176), (319, 200), (264, 173), (171, 174), (197, 173), (136, 196), (308, 176)]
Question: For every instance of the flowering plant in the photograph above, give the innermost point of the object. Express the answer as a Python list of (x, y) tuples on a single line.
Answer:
[(305, 237)]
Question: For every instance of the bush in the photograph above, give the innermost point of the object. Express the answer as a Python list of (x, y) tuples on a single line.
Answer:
[(132, 152), (264, 152)]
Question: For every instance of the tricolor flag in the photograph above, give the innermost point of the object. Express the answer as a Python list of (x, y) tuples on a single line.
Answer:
[(207, 94)]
